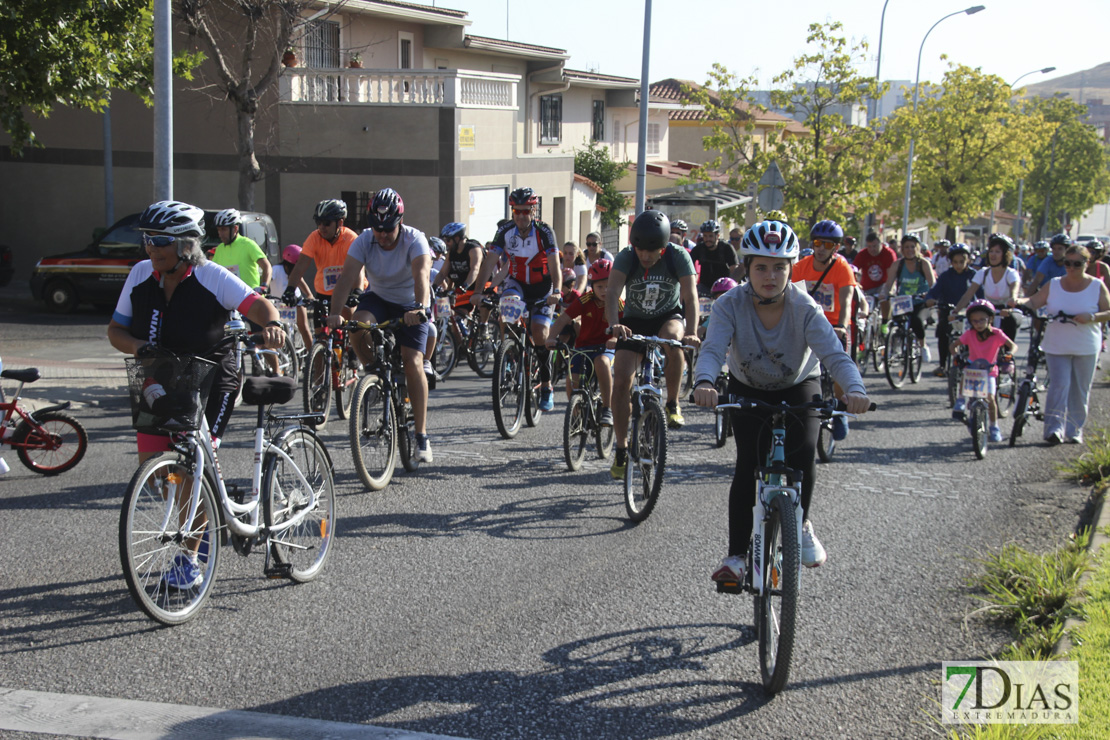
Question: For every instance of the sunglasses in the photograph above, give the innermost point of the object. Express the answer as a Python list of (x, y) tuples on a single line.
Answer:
[(324, 222), (825, 243), (158, 241), (591, 244), (522, 210), (734, 238), (1074, 263), (381, 230)]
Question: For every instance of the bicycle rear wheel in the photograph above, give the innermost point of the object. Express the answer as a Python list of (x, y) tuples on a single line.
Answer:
[(508, 388), (532, 412), (373, 434), (446, 353), (148, 554), (647, 461), (481, 350), (56, 445), (877, 345), (316, 383), (776, 609), (301, 549), (1021, 411), (955, 381), (1005, 394), (576, 431), (896, 365)]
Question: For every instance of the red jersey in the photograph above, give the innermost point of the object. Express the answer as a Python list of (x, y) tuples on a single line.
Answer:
[(873, 269), (592, 313)]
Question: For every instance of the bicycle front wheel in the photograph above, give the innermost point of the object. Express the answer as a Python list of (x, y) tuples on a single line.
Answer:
[(576, 431), (877, 345), (316, 383), (1021, 411), (154, 559), (826, 444), (776, 608), (481, 350), (345, 388), (406, 435), (915, 357), (977, 422), (532, 412), (896, 356), (508, 388), (647, 461), (301, 549), (955, 381), (1005, 394), (373, 434), (56, 445), (288, 360), (446, 352)]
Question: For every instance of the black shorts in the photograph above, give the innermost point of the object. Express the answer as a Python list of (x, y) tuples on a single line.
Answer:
[(646, 327)]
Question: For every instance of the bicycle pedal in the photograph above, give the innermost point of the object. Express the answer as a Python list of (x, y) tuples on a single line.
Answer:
[(276, 572), (729, 587)]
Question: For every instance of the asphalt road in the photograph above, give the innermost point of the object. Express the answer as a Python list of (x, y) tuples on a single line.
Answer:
[(497, 595)]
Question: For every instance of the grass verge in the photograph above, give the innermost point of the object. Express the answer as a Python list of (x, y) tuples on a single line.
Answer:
[(1092, 468)]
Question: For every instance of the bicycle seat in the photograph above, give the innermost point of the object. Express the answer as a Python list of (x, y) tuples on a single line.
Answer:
[(26, 375), (265, 391)]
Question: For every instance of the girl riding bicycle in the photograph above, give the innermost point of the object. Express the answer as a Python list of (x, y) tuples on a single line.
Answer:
[(983, 342), (775, 336)]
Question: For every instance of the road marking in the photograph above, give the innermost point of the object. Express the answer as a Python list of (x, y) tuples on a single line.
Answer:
[(127, 719)]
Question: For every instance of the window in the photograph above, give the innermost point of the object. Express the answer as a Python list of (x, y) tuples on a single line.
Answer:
[(551, 119), (653, 136), (358, 202), (597, 132), (321, 44), (404, 50)]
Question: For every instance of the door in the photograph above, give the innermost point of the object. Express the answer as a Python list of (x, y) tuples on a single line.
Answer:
[(487, 207)]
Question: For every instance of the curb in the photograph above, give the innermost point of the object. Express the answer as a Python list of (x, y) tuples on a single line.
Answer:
[(1098, 541)]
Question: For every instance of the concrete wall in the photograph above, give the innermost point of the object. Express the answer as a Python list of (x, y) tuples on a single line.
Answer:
[(623, 131)]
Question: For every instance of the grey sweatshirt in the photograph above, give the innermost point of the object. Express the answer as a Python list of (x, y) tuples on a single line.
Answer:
[(773, 359)]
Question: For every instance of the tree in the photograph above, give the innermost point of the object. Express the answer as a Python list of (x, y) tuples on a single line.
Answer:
[(1071, 166), (245, 40), (73, 52), (970, 144), (595, 163)]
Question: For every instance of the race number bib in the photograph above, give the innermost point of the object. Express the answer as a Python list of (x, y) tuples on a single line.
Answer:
[(824, 296), (288, 314), (705, 305), (1042, 312), (331, 277), (976, 383), (651, 297), (511, 308), (443, 306), (901, 304)]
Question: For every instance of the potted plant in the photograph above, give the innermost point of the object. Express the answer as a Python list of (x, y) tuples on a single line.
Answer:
[(356, 61), (289, 58)]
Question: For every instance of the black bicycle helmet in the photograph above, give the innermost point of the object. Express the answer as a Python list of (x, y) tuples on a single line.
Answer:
[(942, 243), (958, 249), (330, 210), (679, 225), (651, 230), (1001, 240), (522, 197), (386, 210), (172, 217), (1060, 239), (827, 229), (710, 227)]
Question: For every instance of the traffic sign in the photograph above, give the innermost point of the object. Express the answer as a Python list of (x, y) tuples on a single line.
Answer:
[(770, 188)]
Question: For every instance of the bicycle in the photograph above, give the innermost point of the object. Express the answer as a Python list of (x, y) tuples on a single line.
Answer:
[(177, 507), (446, 353), (47, 441), (953, 372), (872, 342), (330, 368), (1027, 403), (722, 419), (976, 388), (647, 431), (478, 343), (774, 557), (382, 422), (515, 371), (904, 356), (583, 415), (826, 443)]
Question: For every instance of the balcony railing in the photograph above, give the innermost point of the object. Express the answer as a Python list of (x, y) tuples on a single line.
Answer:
[(418, 87)]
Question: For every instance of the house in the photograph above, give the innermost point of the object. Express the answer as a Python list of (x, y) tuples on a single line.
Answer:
[(451, 120)]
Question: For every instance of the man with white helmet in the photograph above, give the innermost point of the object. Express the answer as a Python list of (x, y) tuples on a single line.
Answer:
[(239, 253)]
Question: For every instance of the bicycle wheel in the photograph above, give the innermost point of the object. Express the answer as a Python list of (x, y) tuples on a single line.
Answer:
[(346, 387), (862, 347), (826, 445), (288, 360), (576, 430), (446, 353), (647, 461), (776, 609), (915, 357), (1005, 394), (955, 381), (373, 434), (977, 422), (148, 554), (508, 388), (603, 435), (406, 435), (480, 350), (896, 368), (316, 382), (301, 549), (1021, 411), (690, 361), (877, 344), (532, 411), (56, 445)]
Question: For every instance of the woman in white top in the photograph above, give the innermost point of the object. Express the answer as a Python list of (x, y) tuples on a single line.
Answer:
[(999, 281), (1071, 348)]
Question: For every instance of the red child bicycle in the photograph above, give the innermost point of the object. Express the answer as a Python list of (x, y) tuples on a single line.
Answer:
[(48, 441)]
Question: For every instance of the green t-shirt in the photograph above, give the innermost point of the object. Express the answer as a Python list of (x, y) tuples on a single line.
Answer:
[(241, 259), (656, 292)]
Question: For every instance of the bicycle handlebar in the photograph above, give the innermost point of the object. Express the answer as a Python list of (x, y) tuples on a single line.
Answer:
[(833, 407)]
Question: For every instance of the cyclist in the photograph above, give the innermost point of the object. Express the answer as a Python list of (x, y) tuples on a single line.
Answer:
[(573, 261), (592, 338), (464, 259), (849, 251), (398, 261), (279, 282), (873, 262), (948, 290), (716, 258), (679, 229), (940, 260), (910, 275), (1000, 283), (658, 282), (534, 274), (238, 253), (829, 281), (1051, 266), (983, 343), (774, 336), (327, 247), (594, 250)]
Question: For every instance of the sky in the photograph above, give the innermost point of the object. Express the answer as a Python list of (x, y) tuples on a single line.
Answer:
[(1008, 38)]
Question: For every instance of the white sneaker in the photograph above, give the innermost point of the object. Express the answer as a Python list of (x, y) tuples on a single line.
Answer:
[(813, 554), (424, 450), (928, 354), (731, 570)]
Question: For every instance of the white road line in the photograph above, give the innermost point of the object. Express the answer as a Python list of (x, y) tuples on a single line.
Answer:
[(126, 719)]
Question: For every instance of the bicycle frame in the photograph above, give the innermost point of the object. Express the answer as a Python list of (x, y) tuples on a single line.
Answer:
[(770, 482)]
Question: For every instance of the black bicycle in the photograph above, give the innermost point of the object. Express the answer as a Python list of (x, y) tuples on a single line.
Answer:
[(904, 356), (1027, 404), (582, 421)]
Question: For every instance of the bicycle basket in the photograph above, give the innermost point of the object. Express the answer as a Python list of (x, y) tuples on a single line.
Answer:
[(512, 308), (168, 392)]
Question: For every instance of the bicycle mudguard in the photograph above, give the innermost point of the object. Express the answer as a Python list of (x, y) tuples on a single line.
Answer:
[(56, 407)]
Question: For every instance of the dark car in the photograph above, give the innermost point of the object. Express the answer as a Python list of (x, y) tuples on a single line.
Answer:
[(96, 274)]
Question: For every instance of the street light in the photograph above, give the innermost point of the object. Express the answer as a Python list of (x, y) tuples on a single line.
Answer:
[(1021, 182), (909, 165), (878, 102)]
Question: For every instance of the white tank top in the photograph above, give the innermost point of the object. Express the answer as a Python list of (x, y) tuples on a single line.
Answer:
[(1072, 339)]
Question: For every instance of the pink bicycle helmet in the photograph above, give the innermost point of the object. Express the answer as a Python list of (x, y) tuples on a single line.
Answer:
[(600, 270), (722, 285), (980, 305), (291, 254)]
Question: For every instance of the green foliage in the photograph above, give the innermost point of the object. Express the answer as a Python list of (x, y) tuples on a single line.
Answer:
[(1080, 177), (970, 145), (595, 163), (73, 52), (1093, 466)]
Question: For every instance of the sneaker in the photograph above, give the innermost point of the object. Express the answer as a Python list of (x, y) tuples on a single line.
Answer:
[(620, 463), (840, 428), (1076, 440), (606, 419), (813, 554), (1054, 439), (731, 570), (958, 409), (184, 574), (927, 353), (940, 372), (423, 448), (547, 399), (675, 420), (995, 434)]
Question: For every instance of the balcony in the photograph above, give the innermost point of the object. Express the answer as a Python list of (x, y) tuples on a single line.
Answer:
[(415, 87)]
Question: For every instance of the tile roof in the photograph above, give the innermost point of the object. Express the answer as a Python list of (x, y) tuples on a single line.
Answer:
[(587, 182), (670, 90)]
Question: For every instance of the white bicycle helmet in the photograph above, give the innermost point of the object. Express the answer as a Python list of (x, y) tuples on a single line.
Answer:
[(172, 217), (228, 217), (770, 239)]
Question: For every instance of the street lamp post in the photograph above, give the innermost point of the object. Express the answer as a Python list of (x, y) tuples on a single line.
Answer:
[(909, 164), (877, 113), (1021, 182)]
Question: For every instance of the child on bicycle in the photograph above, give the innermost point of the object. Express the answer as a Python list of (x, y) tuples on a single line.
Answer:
[(983, 342), (592, 338)]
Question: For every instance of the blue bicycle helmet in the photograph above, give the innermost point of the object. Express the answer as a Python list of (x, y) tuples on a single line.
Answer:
[(452, 229), (827, 229)]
